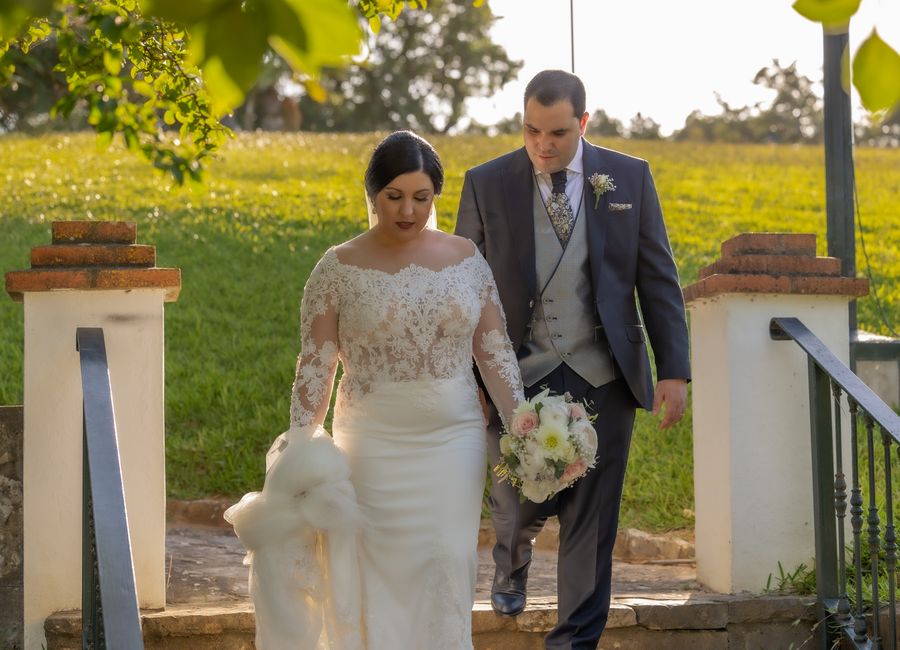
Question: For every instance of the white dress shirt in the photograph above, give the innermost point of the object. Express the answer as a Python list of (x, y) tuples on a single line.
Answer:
[(574, 180)]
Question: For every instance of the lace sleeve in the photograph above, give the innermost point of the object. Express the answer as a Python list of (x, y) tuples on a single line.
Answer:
[(316, 365), (494, 353)]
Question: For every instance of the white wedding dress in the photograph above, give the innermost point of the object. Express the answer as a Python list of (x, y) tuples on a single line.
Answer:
[(398, 572)]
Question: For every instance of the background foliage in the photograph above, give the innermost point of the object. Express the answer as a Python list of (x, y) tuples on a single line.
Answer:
[(420, 70), (273, 204), (136, 68)]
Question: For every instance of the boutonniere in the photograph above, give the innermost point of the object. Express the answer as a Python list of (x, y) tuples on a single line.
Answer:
[(602, 183)]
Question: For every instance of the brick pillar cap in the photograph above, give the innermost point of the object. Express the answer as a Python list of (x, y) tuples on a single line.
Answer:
[(93, 255), (774, 263)]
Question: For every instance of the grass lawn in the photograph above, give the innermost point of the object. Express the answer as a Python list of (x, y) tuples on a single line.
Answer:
[(272, 204)]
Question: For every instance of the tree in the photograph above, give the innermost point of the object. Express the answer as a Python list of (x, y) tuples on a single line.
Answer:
[(601, 124), (509, 125), (879, 132), (34, 87), (137, 68), (126, 73), (795, 114), (643, 128), (420, 70)]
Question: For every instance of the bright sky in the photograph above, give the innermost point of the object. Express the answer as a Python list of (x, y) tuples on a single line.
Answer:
[(665, 58)]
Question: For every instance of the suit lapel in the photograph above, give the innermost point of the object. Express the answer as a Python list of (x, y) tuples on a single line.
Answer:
[(518, 188), (597, 218)]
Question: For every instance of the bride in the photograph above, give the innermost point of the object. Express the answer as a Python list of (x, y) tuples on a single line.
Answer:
[(404, 308)]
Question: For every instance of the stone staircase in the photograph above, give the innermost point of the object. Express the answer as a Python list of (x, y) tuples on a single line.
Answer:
[(657, 602), (700, 622)]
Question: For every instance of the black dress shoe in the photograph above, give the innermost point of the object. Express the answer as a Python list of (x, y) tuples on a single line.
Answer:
[(508, 603)]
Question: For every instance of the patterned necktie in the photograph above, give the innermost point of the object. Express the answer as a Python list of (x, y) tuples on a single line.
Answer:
[(559, 209)]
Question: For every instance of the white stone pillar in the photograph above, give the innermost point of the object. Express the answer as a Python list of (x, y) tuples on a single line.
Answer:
[(92, 276), (752, 458)]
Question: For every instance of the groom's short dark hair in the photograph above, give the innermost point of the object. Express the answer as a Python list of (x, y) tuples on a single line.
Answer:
[(551, 86)]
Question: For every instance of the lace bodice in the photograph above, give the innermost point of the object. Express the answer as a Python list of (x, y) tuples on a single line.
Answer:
[(417, 323)]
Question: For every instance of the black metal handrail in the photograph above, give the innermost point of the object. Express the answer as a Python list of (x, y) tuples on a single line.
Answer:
[(109, 605), (830, 380)]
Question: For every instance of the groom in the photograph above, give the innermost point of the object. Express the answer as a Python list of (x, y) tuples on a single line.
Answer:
[(575, 237)]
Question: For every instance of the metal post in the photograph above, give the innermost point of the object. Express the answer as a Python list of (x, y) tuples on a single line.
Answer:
[(91, 611), (115, 595), (827, 579), (572, 31), (839, 163)]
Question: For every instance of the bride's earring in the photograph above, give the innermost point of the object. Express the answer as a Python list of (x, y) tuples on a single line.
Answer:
[(373, 215)]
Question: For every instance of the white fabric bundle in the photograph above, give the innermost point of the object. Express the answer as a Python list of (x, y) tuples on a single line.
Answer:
[(300, 535)]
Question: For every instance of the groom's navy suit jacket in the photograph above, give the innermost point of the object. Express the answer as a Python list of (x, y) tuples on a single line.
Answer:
[(630, 258)]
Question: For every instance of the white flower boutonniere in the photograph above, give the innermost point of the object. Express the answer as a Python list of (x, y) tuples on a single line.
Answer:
[(602, 183)]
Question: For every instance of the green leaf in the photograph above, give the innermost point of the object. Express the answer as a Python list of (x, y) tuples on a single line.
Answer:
[(876, 74), (315, 91), (112, 62), (37, 31), (229, 70), (831, 13), (223, 90), (184, 12), (845, 69), (143, 88), (310, 34)]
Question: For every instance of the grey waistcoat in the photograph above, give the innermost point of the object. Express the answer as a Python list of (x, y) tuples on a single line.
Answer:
[(564, 318)]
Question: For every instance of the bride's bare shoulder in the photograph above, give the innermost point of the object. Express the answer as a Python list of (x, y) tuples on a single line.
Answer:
[(350, 249), (459, 247)]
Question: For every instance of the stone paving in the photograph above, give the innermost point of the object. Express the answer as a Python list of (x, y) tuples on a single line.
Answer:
[(205, 565), (655, 604)]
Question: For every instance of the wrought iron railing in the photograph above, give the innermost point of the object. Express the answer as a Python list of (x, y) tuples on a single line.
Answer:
[(849, 577), (109, 604)]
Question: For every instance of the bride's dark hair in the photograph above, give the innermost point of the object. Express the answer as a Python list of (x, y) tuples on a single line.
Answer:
[(400, 153)]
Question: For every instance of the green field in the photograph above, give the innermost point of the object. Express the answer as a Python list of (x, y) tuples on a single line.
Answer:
[(273, 203)]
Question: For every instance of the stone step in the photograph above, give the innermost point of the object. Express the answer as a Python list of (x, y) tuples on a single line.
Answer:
[(656, 604), (710, 622)]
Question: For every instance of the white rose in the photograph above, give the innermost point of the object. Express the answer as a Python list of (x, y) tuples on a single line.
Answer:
[(533, 459), (535, 491), (568, 453), (555, 415), (586, 435)]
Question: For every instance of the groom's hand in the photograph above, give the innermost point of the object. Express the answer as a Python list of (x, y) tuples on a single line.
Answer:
[(673, 394)]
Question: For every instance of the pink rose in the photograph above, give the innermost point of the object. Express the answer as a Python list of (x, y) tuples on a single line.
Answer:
[(574, 470), (524, 423), (577, 411)]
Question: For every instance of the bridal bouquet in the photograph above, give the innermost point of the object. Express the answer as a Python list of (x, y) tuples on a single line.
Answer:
[(550, 444)]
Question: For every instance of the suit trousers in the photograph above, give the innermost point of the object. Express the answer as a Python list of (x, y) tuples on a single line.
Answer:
[(588, 513)]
